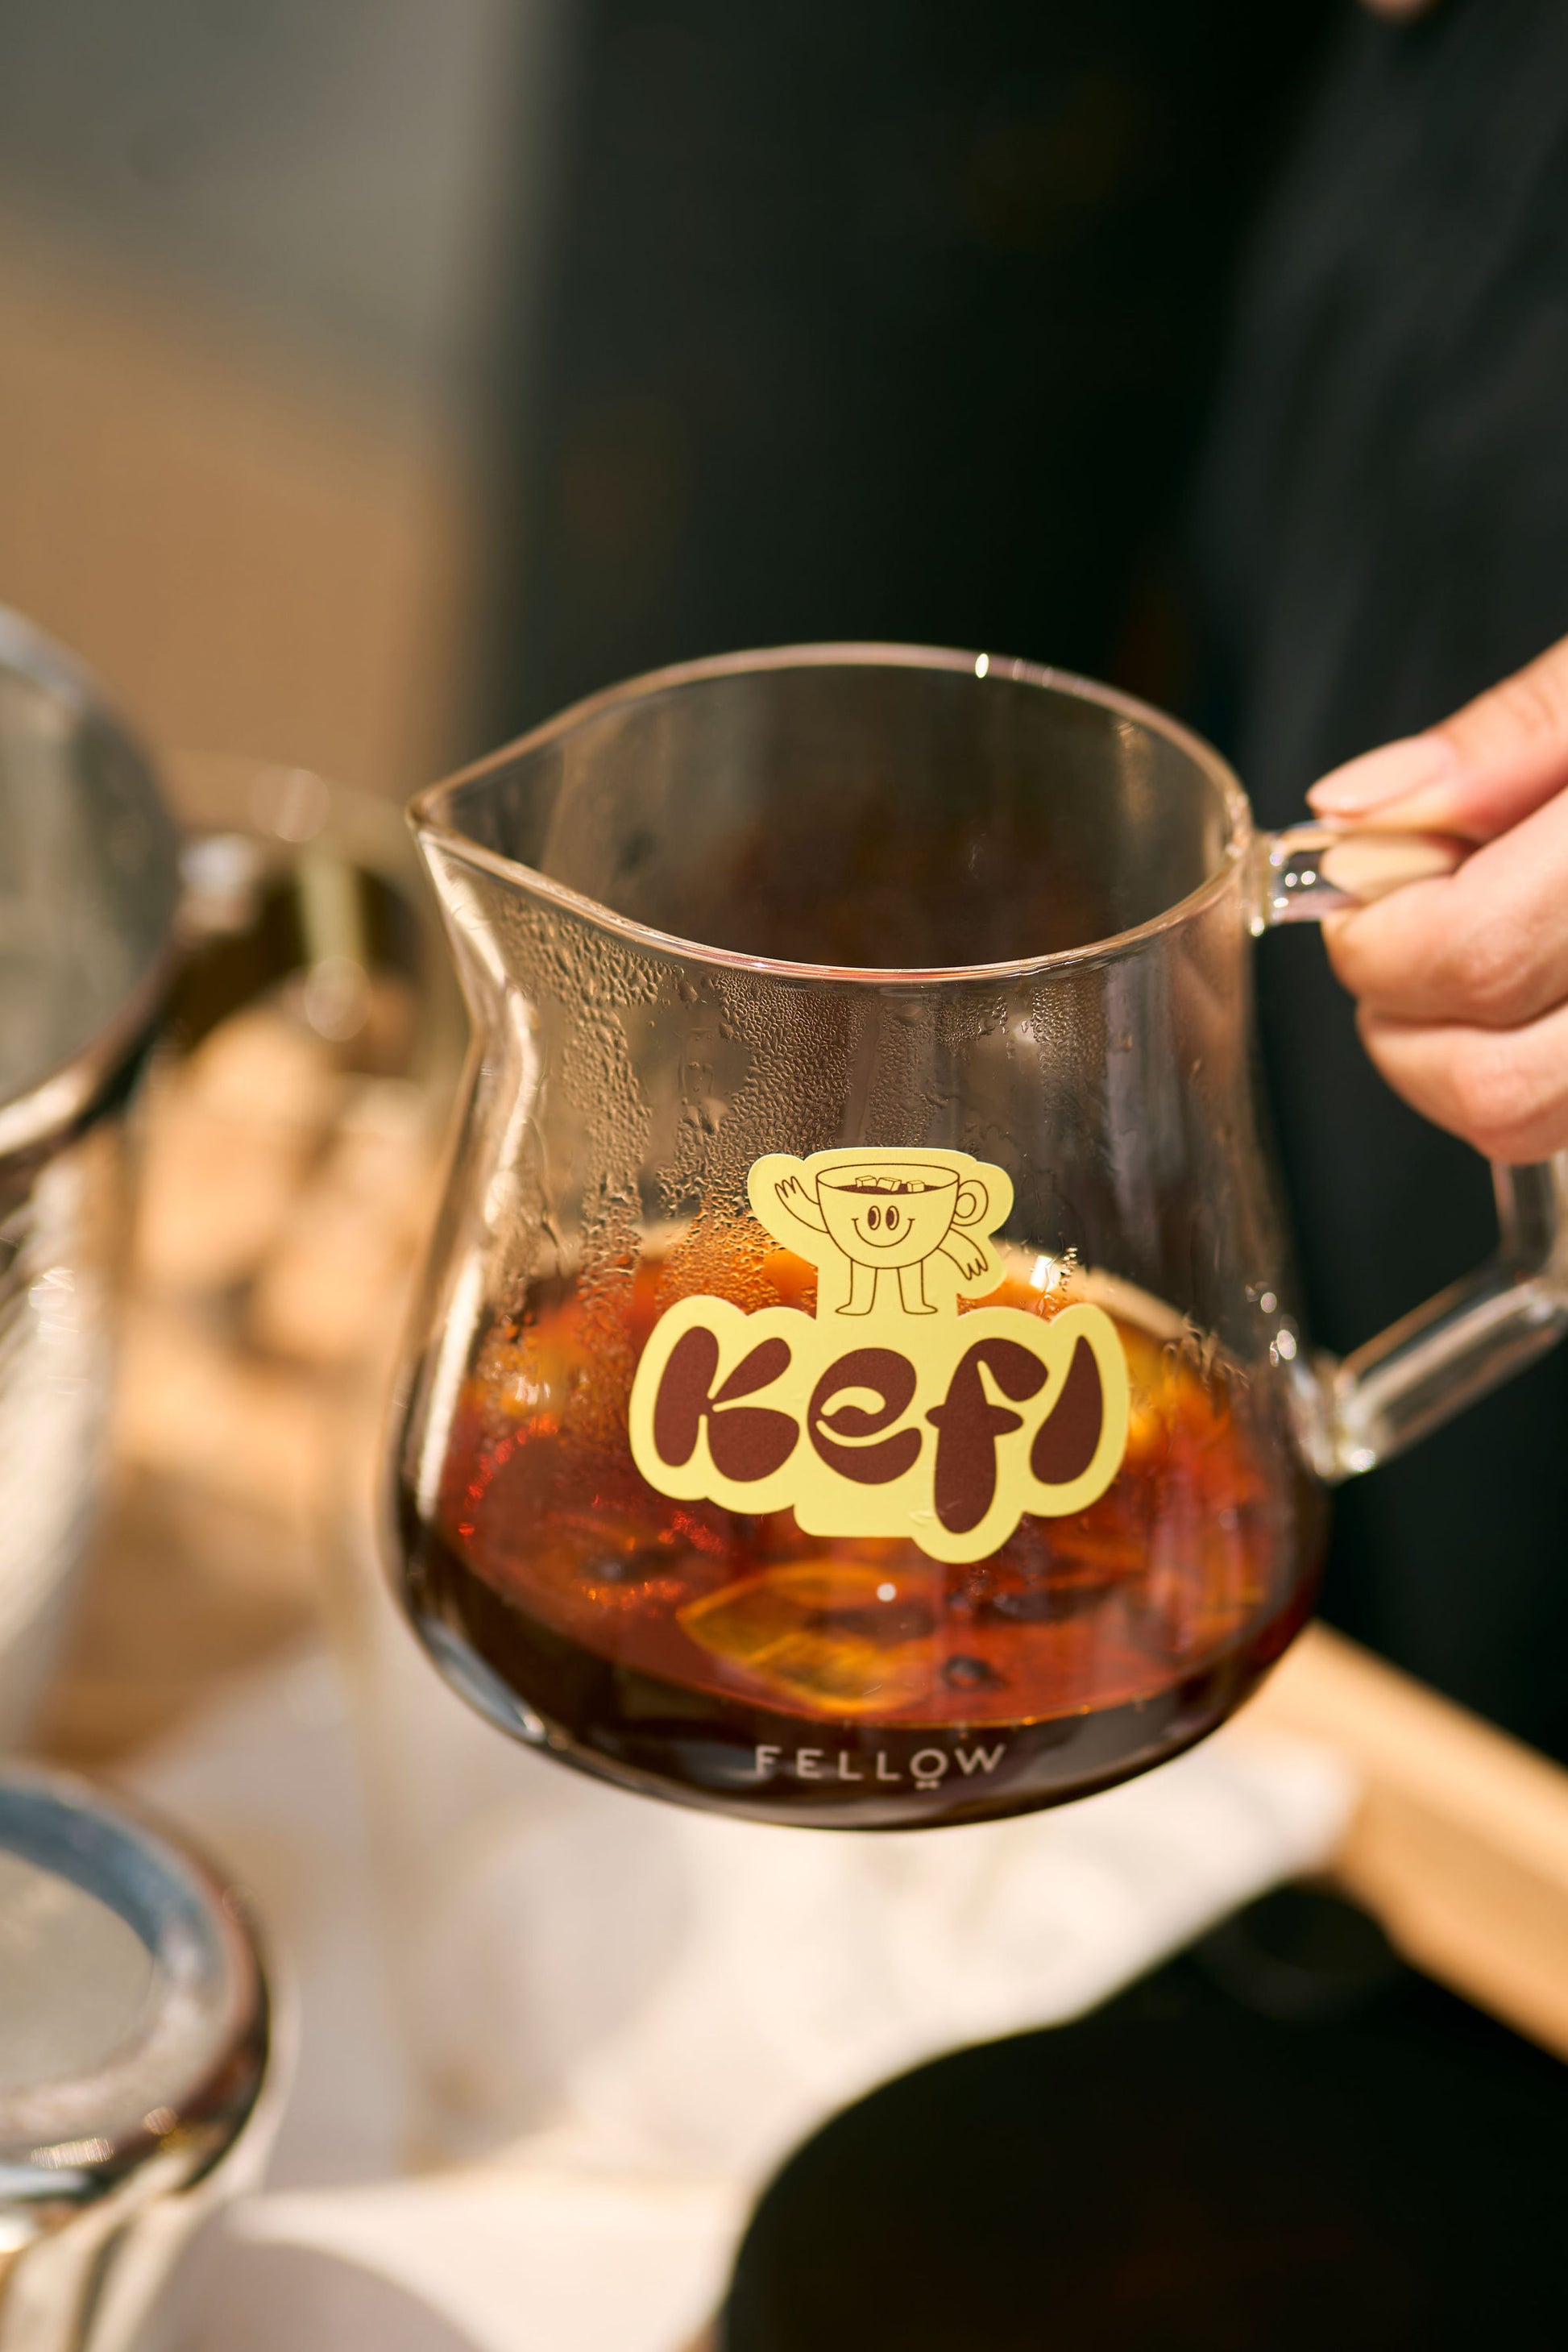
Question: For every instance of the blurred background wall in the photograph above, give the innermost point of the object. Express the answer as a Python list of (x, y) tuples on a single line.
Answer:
[(375, 377), (249, 259)]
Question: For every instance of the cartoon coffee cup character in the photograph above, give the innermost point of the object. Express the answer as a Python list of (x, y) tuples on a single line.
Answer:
[(871, 1219)]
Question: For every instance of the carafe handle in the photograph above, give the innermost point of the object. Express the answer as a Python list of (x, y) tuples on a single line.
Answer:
[(1480, 1331)]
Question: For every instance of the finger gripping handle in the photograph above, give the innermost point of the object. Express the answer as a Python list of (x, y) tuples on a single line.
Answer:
[(1479, 1331), (1313, 870)]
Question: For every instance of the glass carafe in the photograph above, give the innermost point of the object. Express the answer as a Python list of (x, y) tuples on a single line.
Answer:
[(858, 1379)]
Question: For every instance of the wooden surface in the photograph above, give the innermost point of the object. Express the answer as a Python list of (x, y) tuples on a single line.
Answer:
[(1460, 1841)]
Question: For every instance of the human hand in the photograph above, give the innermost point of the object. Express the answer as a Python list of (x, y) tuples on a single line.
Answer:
[(1462, 983)]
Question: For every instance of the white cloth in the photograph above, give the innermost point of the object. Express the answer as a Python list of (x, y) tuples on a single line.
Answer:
[(696, 1995)]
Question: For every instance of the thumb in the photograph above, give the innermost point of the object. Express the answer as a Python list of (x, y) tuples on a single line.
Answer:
[(1476, 774)]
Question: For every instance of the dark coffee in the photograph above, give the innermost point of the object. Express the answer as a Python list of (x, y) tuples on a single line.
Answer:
[(711, 1655)]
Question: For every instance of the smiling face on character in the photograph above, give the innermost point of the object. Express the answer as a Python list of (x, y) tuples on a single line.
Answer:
[(888, 1215)]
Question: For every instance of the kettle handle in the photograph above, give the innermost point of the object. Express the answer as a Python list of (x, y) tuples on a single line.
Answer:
[(1482, 1330), (246, 822)]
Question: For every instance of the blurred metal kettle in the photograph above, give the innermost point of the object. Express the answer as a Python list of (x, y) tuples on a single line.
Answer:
[(90, 898), (215, 878)]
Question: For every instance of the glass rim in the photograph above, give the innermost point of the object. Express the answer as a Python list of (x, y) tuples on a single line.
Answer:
[(429, 810), (175, 2052)]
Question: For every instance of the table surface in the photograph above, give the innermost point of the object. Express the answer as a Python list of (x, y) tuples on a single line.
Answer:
[(284, 1204)]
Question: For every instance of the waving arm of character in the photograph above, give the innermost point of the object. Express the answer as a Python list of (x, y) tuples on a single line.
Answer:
[(801, 1204), (970, 1256), (968, 1250)]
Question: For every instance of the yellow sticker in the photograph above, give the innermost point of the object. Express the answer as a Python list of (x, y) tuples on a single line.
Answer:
[(886, 1414)]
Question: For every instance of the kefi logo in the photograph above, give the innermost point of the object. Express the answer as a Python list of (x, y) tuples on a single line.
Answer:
[(888, 1412)]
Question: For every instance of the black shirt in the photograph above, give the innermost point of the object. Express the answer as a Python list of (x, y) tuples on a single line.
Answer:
[(1385, 530)]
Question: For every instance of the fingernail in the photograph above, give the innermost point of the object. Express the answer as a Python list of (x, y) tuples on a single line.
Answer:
[(1393, 772)]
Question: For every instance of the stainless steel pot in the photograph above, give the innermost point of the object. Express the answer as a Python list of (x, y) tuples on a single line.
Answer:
[(89, 899), (212, 880)]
